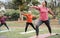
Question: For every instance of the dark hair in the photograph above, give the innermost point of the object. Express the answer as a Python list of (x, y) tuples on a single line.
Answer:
[(45, 3)]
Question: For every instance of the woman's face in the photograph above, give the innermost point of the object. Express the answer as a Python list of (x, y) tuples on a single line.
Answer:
[(43, 3)]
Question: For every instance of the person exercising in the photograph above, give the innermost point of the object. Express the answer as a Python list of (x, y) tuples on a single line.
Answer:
[(29, 18), (43, 18), (3, 21)]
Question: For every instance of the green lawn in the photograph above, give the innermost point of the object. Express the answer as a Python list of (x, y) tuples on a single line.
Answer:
[(19, 27)]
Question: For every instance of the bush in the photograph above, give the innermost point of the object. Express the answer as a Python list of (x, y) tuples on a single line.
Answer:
[(15, 16), (13, 13)]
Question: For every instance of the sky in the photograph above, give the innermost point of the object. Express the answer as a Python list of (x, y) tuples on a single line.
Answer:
[(10, 0), (3, 0)]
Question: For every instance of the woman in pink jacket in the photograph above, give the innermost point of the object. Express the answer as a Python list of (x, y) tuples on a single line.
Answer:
[(43, 10)]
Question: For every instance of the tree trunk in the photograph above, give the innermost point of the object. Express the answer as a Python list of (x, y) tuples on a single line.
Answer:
[(21, 16)]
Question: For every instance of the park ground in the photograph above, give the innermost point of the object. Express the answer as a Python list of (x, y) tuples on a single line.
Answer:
[(18, 27)]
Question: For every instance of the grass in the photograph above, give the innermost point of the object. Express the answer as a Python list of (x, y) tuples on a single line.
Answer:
[(19, 27)]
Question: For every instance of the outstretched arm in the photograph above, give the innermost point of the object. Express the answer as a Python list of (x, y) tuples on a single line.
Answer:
[(50, 11), (24, 14), (36, 7), (7, 17)]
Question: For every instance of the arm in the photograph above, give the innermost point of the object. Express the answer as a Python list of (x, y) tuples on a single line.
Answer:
[(34, 16), (24, 14), (6, 17), (50, 12), (36, 7)]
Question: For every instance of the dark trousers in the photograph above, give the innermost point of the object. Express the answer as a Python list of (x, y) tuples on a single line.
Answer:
[(27, 24), (4, 25), (41, 22)]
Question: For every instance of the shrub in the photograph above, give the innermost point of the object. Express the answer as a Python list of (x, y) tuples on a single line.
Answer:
[(13, 13)]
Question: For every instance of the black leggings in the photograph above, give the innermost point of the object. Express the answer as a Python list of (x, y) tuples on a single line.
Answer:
[(47, 24), (27, 24), (4, 25)]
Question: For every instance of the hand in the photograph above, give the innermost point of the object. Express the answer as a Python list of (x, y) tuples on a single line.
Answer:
[(9, 17), (53, 15), (22, 13), (31, 6)]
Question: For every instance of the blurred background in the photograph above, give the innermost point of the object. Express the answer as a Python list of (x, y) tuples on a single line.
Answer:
[(16, 22), (14, 8)]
